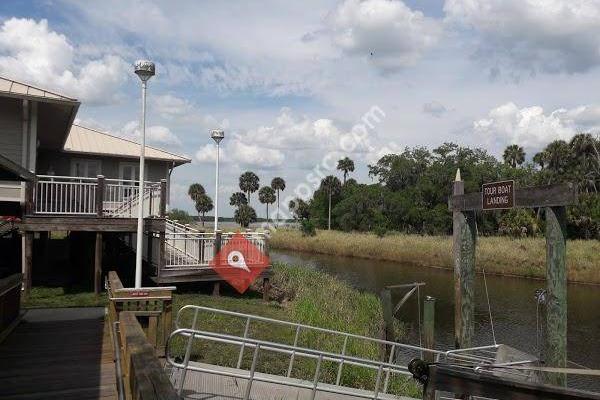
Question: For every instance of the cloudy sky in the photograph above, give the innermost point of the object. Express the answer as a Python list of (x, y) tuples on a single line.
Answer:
[(290, 81)]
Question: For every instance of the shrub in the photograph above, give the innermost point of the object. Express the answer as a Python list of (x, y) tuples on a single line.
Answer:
[(307, 227)]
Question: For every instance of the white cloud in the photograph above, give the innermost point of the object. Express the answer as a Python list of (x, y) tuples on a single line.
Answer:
[(435, 109), (208, 154), (386, 32), (31, 51), (169, 106), (250, 155), (531, 127), (156, 134), (532, 35), (292, 132)]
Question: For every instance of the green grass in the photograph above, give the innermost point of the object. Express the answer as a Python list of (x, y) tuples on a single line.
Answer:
[(44, 297), (498, 255), (313, 298)]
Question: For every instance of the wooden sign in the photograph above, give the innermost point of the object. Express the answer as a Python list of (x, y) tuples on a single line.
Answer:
[(498, 195)]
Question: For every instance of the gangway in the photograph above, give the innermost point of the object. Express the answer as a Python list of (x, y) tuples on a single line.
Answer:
[(241, 378)]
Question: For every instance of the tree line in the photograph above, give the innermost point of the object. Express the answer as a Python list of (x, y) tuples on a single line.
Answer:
[(244, 214), (411, 190)]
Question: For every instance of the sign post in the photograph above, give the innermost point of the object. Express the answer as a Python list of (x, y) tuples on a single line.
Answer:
[(501, 196)]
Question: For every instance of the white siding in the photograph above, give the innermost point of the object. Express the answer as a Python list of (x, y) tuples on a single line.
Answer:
[(11, 133)]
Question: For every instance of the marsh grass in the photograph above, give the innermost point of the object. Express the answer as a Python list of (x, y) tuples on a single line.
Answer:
[(498, 255), (315, 299)]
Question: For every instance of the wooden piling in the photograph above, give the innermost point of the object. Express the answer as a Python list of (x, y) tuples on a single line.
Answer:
[(98, 264), (266, 288), (388, 314), (429, 327), (555, 350), (463, 248), (27, 263)]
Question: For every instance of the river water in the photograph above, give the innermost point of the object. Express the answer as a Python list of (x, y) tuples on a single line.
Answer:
[(512, 304)]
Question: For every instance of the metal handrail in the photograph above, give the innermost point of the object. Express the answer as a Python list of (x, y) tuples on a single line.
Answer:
[(301, 326), (191, 334)]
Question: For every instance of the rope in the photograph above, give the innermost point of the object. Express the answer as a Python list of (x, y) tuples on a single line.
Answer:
[(489, 307), (487, 295)]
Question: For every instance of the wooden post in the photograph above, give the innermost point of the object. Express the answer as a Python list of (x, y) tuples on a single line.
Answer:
[(162, 253), (429, 327), (98, 264), (163, 198), (388, 315), (556, 294), (463, 248), (28, 263), (266, 288), (100, 196), (30, 196)]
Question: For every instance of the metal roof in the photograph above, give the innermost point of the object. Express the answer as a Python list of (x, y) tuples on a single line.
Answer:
[(90, 141), (19, 89)]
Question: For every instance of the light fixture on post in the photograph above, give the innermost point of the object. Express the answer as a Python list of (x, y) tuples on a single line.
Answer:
[(145, 70), (217, 135)]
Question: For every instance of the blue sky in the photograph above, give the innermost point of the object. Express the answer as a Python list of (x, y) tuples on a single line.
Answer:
[(290, 81)]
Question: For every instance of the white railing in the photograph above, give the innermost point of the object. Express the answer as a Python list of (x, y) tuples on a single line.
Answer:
[(65, 195), (188, 248), (68, 195), (121, 198)]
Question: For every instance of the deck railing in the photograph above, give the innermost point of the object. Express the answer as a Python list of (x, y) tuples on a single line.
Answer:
[(140, 375), (68, 195), (188, 248)]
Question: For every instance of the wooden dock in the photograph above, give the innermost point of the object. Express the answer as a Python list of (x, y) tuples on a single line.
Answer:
[(58, 354)]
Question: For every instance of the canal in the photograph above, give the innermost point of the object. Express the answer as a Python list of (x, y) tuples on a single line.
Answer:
[(512, 303)]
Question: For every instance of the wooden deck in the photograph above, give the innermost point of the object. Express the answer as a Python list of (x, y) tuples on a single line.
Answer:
[(58, 354)]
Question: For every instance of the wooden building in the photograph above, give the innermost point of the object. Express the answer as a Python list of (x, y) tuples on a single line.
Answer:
[(59, 176)]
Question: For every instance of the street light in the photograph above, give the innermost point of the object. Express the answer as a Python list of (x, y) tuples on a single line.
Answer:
[(145, 70), (217, 135)]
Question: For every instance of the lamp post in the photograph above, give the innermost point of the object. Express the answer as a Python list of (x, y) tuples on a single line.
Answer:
[(217, 135), (145, 70)]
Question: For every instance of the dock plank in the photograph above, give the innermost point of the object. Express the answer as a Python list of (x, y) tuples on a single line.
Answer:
[(58, 354)]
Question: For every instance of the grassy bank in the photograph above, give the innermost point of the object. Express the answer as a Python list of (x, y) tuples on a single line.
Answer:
[(499, 255), (312, 298)]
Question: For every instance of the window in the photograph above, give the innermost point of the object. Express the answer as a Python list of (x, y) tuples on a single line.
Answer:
[(129, 171), (85, 168)]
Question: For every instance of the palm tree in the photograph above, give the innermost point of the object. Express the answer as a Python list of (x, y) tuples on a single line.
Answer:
[(244, 215), (196, 190), (540, 159), (237, 199), (332, 185), (584, 158), (249, 183), (514, 155), (278, 184), (557, 156), (203, 205), (266, 195), (346, 165)]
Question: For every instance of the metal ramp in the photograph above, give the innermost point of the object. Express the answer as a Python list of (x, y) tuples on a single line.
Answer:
[(241, 378)]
